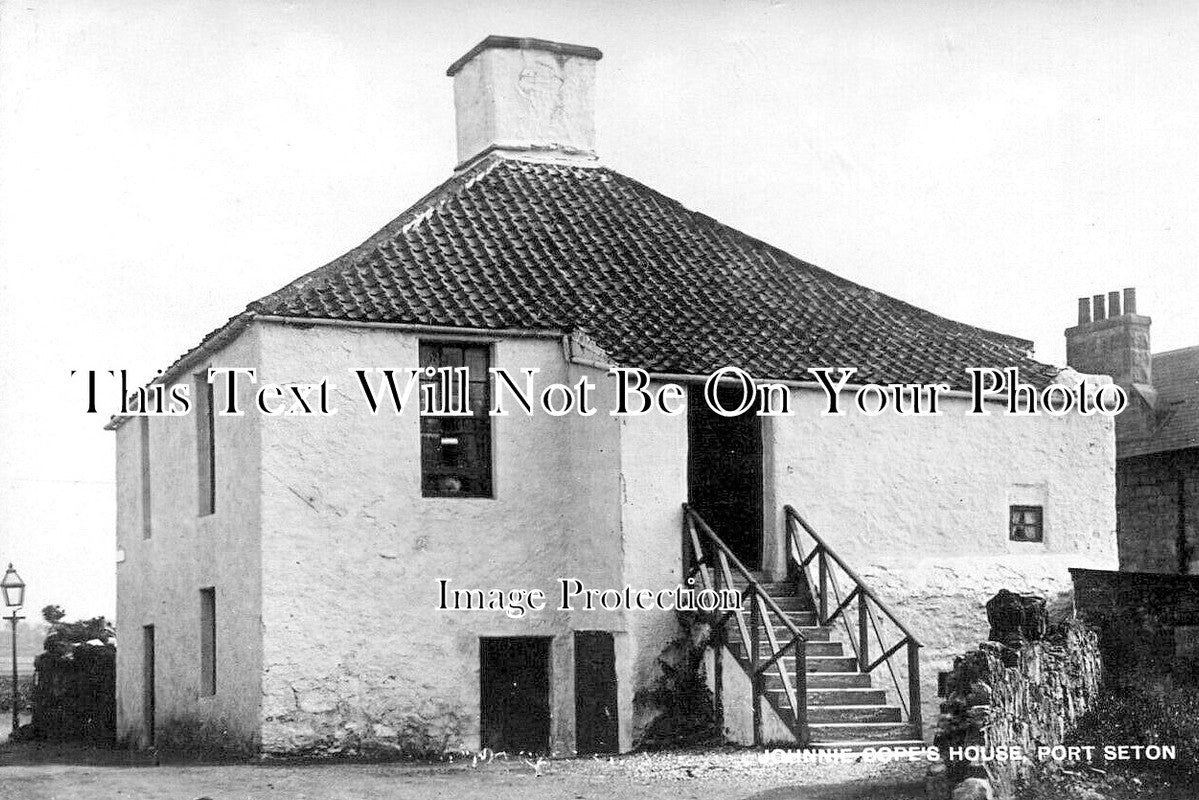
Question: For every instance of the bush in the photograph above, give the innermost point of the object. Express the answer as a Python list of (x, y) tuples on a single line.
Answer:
[(1136, 713), (74, 696), (24, 690), (680, 694)]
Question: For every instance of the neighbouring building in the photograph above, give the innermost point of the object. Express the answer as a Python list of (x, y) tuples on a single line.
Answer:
[(278, 577), (1157, 437)]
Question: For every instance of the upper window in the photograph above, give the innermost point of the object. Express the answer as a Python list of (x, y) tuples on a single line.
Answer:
[(1026, 523), (456, 450), (146, 500), (205, 445)]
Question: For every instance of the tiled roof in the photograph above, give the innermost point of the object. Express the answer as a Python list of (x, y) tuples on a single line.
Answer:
[(1176, 379), (515, 244)]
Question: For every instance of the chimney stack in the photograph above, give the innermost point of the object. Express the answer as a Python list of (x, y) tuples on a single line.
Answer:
[(525, 97), (1112, 341)]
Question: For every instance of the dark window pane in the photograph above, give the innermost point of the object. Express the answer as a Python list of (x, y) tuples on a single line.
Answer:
[(456, 450), (1026, 523)]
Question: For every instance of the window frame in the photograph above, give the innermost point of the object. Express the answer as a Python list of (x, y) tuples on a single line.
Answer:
[(146, 467), (1038, 526), (208, 642), (205, 445), (479, 425)]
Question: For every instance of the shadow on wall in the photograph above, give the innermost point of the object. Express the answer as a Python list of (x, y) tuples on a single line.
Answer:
[(1148, 623)]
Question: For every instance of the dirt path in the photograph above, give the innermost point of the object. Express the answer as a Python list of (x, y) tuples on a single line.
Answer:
[(699, 775)]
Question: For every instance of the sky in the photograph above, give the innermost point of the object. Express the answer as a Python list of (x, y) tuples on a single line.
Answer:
[(164, 163)]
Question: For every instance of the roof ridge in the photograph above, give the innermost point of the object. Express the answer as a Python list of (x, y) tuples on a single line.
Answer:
[(1177, 351)]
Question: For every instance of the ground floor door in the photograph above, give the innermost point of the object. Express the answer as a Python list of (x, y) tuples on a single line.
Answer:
[(148, 683), (724, 473), (514, 693), (596, 721)]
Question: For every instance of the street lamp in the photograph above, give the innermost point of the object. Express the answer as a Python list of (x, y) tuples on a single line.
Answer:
[(14, 597)]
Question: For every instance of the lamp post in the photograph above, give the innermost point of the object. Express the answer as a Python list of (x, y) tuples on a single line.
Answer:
[(14, 597)]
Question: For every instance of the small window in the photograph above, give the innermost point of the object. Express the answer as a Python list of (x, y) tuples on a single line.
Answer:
[(456, 450), (1026, 523), (205, 444), (208, 641), (147, 516)]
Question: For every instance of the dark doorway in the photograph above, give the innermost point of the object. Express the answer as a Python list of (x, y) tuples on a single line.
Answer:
[(724, 473), (514, 693), (148, 683), (596, 728)]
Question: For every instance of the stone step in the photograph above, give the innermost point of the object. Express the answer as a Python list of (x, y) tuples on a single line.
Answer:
[(853, 731), (846, 697), (812, 648), (775, 588), (858, 745), (821, 663), (813, 633), (879, 713), (832, 664), (792, 604), (839, 680), (799, 617)]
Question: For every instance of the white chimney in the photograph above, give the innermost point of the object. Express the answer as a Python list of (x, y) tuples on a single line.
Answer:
[(525, 97)]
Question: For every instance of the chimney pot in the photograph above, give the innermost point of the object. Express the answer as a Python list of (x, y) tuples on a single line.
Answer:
[(1119, 348), (527, 97), (1130, 301)]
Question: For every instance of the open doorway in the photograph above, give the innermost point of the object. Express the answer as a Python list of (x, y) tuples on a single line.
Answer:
[(724, 473), (148, 710)]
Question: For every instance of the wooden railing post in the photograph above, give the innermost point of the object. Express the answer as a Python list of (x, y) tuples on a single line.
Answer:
[(914, 715), (719, 635), (823, 568), (863, 631), (755, 623), (801, 694)]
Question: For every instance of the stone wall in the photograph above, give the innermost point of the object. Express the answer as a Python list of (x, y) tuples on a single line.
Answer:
[(1146, 621), (1157, 512), (1026, 696)]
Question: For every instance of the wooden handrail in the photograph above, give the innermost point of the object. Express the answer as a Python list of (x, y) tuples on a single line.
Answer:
[(791, 512), (761, 605), (867, 620), (750, 579)]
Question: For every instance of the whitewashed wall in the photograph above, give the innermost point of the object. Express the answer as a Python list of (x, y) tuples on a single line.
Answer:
[(160, 579), (325, 555)]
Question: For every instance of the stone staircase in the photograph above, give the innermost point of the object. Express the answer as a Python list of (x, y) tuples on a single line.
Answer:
[(844, 708)]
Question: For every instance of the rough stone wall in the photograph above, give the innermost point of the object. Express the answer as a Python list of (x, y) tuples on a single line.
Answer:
[(1025, 697), (1138, 615), (159, 581), (1157, 508)]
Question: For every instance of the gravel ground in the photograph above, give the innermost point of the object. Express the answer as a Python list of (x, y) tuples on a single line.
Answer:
[(725, 774)]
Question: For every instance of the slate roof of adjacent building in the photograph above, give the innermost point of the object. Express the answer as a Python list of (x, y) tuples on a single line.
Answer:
[(1176, 379), (519, 244)]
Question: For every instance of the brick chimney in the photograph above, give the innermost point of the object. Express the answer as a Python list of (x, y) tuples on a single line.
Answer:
[(525, 97), (1111, 338)]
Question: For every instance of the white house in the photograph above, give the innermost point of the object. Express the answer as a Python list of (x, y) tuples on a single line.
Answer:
[(280, 585)]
